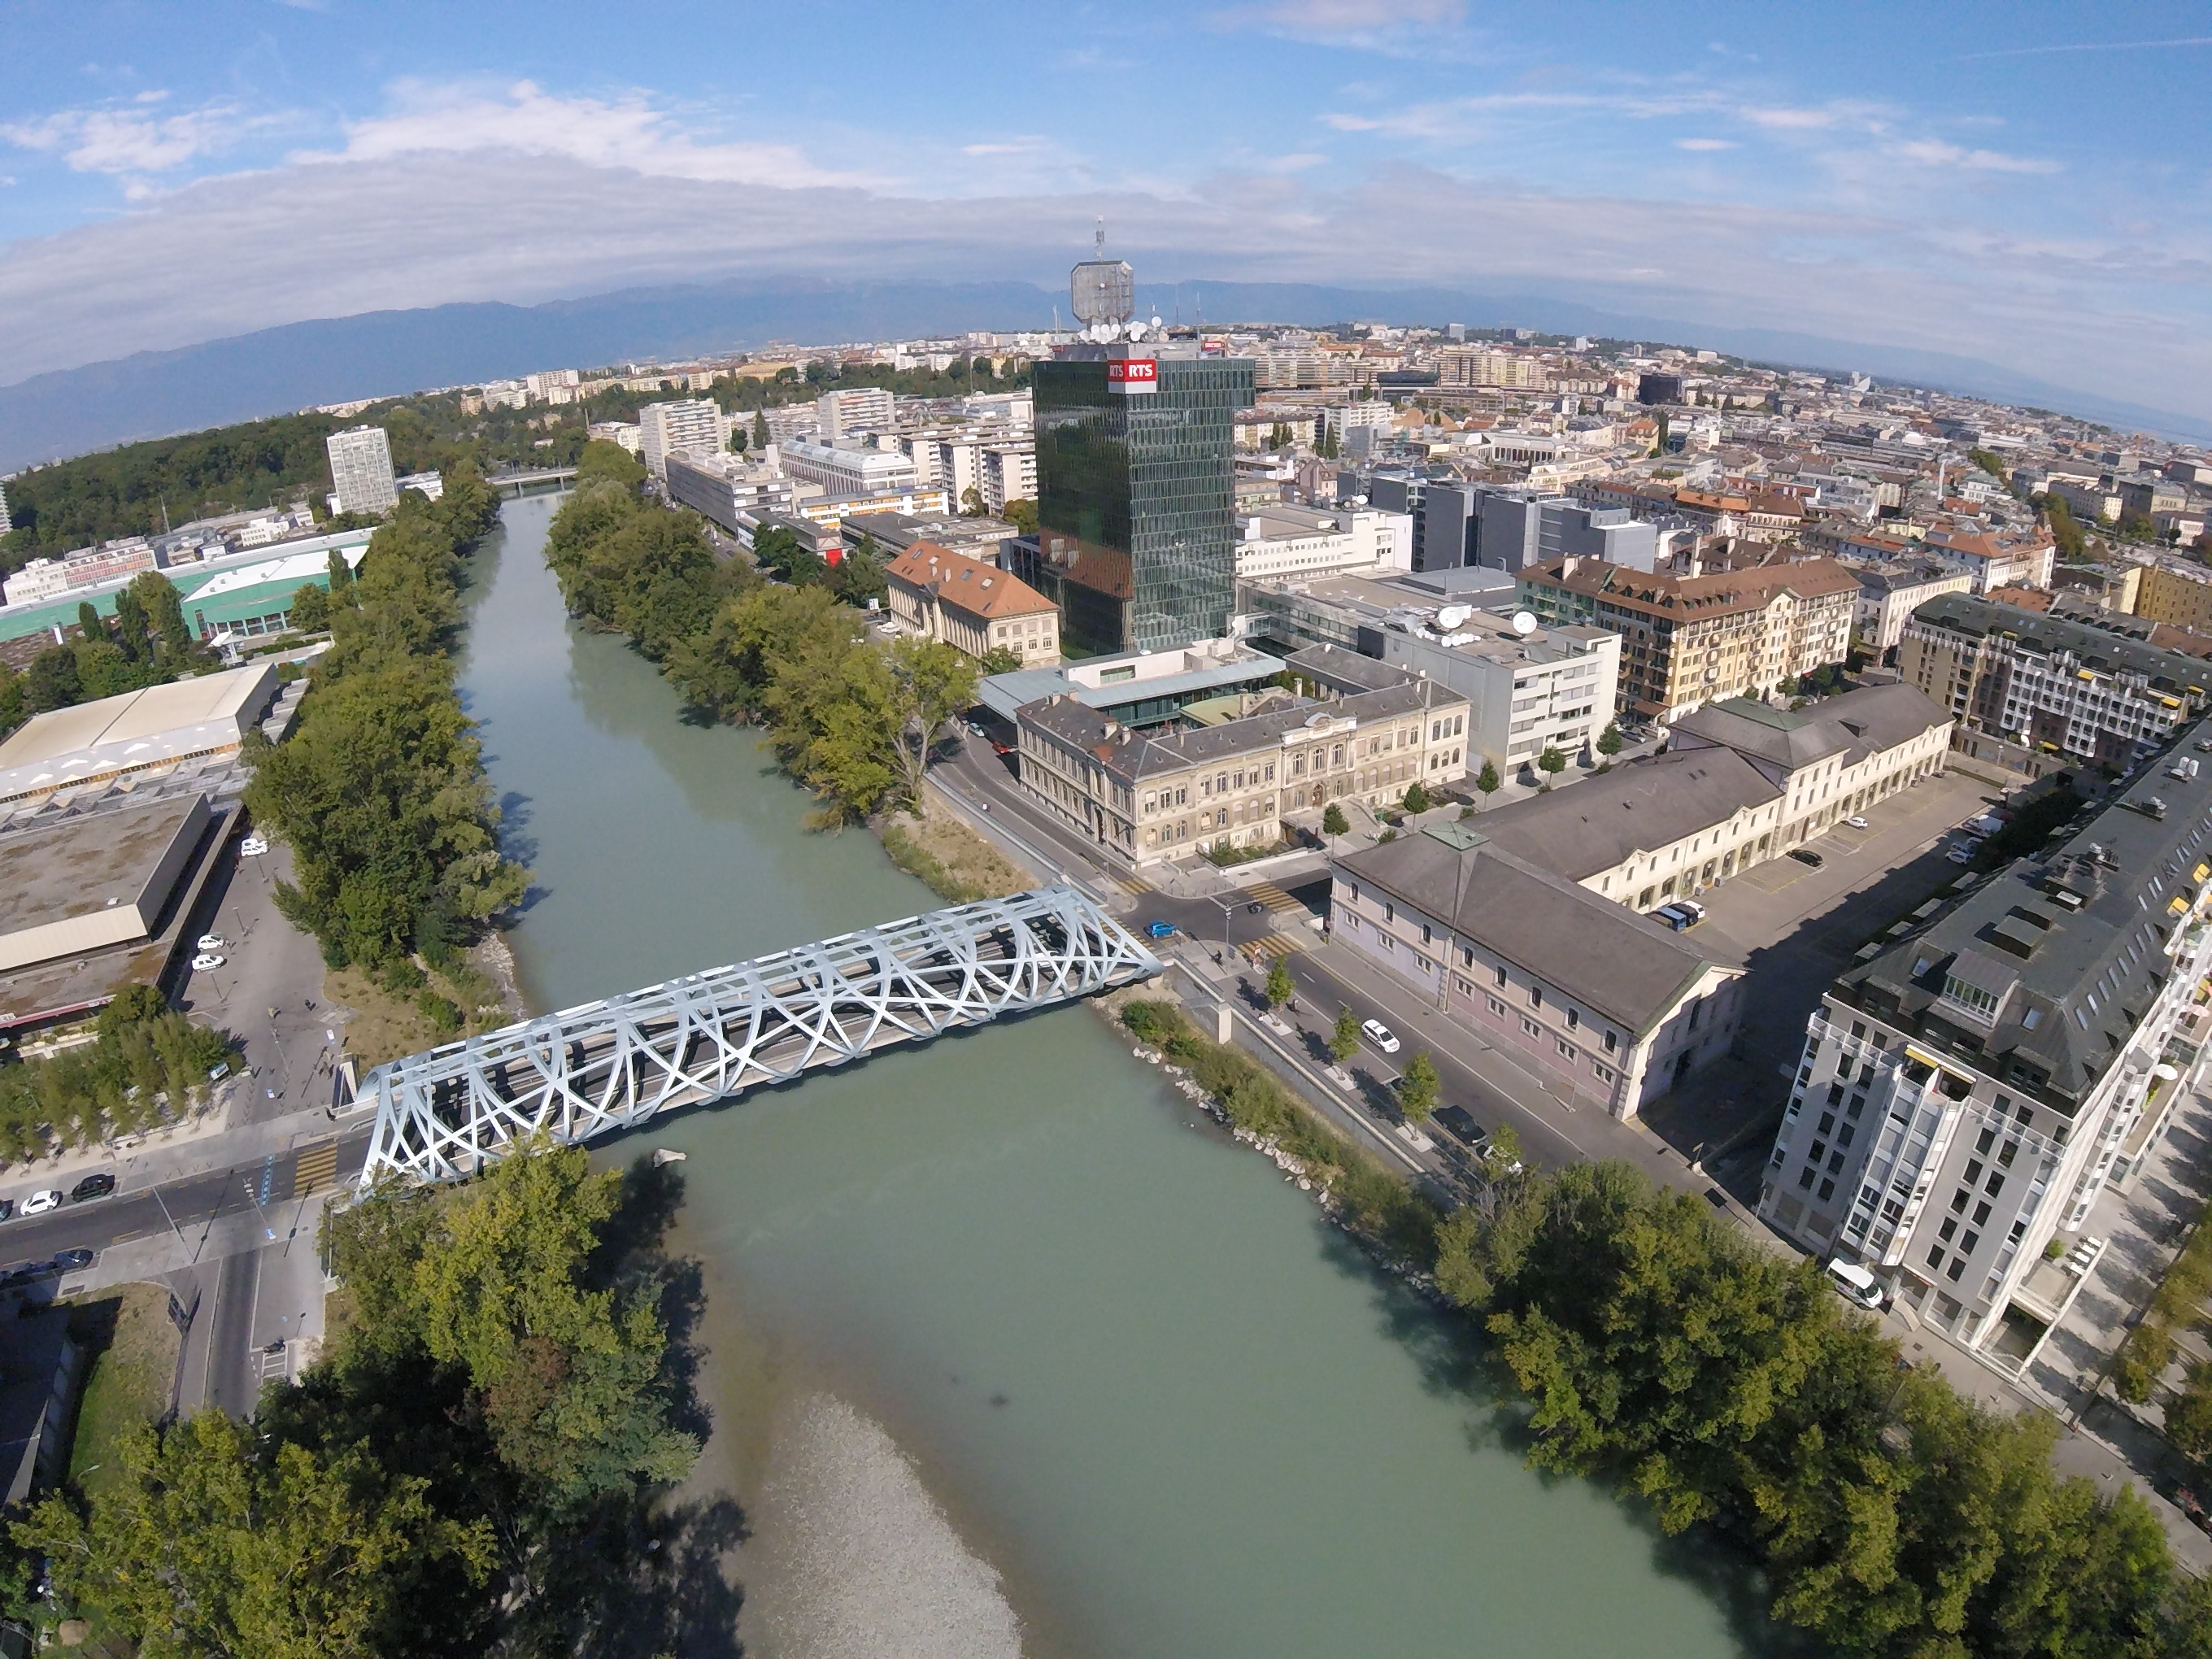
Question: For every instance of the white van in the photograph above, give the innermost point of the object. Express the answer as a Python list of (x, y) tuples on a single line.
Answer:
[(1856, 1285)]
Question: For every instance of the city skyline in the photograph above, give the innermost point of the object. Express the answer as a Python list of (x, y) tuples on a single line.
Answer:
[(2019, 187)]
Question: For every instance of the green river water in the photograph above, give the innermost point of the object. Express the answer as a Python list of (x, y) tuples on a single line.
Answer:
[(1009, 1352)]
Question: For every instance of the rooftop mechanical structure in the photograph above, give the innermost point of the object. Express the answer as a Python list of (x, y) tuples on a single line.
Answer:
[(1102, 291), (611, 1065)]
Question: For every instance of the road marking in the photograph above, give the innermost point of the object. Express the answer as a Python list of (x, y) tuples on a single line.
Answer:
[(317, 1166), (1276, 945), (1275, 898)]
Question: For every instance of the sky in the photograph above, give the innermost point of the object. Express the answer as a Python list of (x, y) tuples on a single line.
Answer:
[(2026, 183)]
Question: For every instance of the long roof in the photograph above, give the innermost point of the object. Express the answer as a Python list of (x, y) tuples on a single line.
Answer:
[(1598, 823), (1698, 597), (1600, 954), (1856, 724), (2046, 633), (2081, 938)]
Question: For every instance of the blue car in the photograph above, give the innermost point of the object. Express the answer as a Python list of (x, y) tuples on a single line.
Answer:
[(1162, 929)]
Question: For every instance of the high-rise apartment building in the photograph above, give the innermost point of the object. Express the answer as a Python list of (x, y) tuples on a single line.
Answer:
[(6, 523), (1136, 492), (855, 409), (361, 471), (693, 423), (1966, 1094)]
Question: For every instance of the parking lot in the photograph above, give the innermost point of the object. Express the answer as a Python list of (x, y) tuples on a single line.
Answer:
[(1796, 927)]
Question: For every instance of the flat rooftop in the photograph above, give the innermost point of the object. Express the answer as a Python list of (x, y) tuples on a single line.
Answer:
[(1185, 674), (65, 746), (86, 863)]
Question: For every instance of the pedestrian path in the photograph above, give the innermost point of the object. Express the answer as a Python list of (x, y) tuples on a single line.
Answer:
[(317, 1166), (1276, 945)]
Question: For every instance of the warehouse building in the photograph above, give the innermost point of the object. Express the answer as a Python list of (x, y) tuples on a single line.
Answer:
[(148, 731)]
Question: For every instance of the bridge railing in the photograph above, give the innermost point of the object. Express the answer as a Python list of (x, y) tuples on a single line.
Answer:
[(611, 1064)]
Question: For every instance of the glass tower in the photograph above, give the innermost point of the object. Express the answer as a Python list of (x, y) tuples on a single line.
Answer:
[(1137, 493)]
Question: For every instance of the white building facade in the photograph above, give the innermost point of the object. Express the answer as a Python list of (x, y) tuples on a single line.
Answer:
[(361, 471)]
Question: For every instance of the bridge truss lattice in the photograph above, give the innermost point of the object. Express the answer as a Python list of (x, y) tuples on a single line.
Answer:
[(610, 1066)]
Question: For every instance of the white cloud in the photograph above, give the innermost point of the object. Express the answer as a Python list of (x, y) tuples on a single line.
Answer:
[(134, 138), (1009, 147), (1701, 144), (1391, 26), (627, 132), (1933, 152)]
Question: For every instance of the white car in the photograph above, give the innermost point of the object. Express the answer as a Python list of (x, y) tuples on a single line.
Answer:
[(1380, 1035), (205, 961), (253, 847), (40, 1203), (210, 942), (1857, 1286), (1959, 854), (1855, 821)]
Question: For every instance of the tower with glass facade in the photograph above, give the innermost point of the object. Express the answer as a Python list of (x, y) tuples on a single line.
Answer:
[(1137, 492)]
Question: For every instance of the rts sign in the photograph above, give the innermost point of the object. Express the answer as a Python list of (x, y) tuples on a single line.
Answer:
[(1130, 375)]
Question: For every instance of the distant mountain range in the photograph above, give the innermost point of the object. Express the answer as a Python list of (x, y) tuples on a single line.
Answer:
[(386, 353)]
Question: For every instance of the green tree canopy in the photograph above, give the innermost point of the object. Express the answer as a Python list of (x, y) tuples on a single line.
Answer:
[(1487, 780), (1419, 1088), (1333, 821), (1279, 987), (1343, 1040), (1609, 741)]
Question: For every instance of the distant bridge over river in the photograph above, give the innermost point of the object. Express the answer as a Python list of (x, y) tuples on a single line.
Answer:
[(521, 483), (611, 1065)]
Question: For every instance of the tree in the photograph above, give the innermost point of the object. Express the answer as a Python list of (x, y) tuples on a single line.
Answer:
[(2065, 533), (90, 628), (1609, 741), (1989, 463), (311, 609), (51, 681), (1022, 514), (204, 1542), (932, 682), (1344, 1041), (133, 630), (11, 700), (1333, 821), (1279, 987), (602, 459), (1487, 780), (1551, 762), (1417, 797), (972, 503), (1418, 1088), (760, 439), (738, 438), (340, 578), (1001, 660)]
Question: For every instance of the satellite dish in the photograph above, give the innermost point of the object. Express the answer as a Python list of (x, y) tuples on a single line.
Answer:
[(1524, 623), (1452, 617)]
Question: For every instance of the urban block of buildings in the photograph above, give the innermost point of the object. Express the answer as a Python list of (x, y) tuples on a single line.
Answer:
[(1967, 1093)]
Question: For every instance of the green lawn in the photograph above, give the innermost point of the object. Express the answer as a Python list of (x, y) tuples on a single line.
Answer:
[(133, 1360)]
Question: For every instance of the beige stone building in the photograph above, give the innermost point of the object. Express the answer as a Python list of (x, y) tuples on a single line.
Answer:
[(972, 606), (1688, 640), (1155, 796), (1740, 783)]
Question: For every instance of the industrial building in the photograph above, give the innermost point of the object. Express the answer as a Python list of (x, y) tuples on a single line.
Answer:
[(148, 731)]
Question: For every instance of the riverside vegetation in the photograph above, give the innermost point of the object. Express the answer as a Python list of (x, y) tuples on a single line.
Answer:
[(381, 793), (479, 1465), (855, 723), (1653, 1347)]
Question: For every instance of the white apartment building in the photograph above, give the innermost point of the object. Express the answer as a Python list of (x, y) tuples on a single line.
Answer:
[(361, 471), (1279, 543), (627, 434), (1009, 475), (1965, 1096), (729, 490), (693, 423), (843, 471), (854, 409)]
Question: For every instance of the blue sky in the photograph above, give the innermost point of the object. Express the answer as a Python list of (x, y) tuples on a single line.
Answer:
[(2023, 182)]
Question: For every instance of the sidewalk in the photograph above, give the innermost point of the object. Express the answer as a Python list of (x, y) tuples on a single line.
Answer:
[(158, 1161)]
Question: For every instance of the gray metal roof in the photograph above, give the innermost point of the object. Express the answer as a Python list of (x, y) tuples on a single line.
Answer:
[(1603, 955), (2084, 933), (1593, 825), (1854, 725), (2097, 648)]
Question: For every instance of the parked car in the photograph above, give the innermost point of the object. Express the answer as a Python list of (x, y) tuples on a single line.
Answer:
[(1381, 1036), (206, 961), (1162, 930), (253, 847), (1457, 1121), (1855, 821), (7, 1208), (1856, 1285), (1674, 916), (1807, 857), (71, 1260), (40, 1203), (210, 942), (1959, 853), (98, 1184)]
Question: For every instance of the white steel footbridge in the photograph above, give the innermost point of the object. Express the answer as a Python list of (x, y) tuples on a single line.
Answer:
[(610, 1066)]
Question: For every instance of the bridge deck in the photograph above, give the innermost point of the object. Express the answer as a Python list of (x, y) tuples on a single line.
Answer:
[(611, 1064)]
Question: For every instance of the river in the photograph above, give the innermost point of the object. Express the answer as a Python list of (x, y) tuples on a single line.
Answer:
[(1009, 1352)]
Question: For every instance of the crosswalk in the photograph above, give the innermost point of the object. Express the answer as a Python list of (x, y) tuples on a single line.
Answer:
[(318, 1167), (1135, 885), (1287, 912)]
